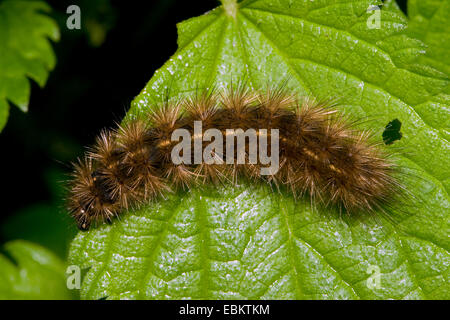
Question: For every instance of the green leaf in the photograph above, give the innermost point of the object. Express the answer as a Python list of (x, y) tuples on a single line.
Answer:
[(252, 242), (29, 271), (430, 22), (25, 51)]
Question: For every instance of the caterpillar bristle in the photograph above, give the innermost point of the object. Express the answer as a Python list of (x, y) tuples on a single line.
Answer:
[(166, 117), (181, 176), (131, 136), (238, 106), (105, 149), (202, 107), (89, 201), (321, 154), (276, 102), (211, 173)]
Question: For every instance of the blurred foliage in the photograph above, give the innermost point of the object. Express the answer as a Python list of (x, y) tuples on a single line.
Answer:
[(44, 223), (98, 17), (29, 271), (25, 51)]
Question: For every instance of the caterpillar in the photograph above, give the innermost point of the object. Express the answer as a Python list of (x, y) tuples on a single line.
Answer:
[(320, 154)]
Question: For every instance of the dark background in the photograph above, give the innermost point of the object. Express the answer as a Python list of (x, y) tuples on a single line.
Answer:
[(100, 69)]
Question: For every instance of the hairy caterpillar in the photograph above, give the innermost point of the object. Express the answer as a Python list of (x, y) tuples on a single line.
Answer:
[(320, 154)]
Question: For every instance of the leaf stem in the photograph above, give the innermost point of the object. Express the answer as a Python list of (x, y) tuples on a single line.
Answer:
[(230, 7)]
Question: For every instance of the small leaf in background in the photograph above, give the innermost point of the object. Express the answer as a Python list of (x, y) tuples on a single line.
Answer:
[(25, 51), (29, 271), (250, 242)]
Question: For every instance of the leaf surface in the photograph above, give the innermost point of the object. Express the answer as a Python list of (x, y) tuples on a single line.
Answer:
[(430, 22), (252, 242)]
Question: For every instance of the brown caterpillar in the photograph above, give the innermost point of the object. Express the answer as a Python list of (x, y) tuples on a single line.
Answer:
[(320, 154)]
